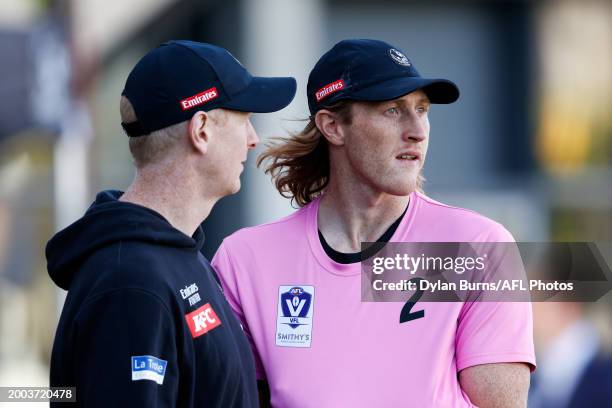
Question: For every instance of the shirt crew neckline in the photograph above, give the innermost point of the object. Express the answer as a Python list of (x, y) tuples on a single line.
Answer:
[(351, 269), (354, 257)]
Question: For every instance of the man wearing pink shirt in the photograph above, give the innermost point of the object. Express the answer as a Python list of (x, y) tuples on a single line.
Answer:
[(295, 284)]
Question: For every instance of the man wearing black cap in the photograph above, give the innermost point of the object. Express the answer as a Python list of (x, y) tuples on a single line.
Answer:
[(295, 283), (144, 322)]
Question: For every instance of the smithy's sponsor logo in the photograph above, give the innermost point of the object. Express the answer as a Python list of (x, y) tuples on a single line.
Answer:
[(294, 318), (329, 89), (198, 99), (202, 320)]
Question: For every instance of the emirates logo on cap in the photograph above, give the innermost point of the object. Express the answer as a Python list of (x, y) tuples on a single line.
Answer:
[(200, 98), (329, 89)]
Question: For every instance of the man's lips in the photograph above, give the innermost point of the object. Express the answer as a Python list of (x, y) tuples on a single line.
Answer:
[(411, 155)]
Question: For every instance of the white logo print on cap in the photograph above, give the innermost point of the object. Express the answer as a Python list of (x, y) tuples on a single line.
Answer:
[(398, 57)]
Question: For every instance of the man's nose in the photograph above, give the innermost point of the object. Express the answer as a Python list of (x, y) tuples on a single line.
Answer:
[(414, 129), (252, 138)]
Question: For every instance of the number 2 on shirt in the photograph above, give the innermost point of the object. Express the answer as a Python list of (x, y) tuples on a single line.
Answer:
[(406, 315)]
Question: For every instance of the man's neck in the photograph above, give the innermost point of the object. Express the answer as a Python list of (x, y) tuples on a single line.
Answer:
[(173, 195), (350, 215)]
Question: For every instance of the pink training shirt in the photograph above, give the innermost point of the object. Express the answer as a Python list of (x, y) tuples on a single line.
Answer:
[(318, 345)]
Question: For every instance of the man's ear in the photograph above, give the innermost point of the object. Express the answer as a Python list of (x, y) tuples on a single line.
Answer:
[(329, 123), (199, 131)]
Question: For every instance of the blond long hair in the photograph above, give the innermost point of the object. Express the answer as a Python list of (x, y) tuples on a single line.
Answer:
[(299, 164)]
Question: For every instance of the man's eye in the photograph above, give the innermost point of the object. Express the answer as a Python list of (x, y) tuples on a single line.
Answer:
[(393, 111), (422, 109)]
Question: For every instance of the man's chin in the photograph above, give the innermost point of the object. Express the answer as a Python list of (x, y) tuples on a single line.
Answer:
[(236, 188), (402, 192), (403, 188)]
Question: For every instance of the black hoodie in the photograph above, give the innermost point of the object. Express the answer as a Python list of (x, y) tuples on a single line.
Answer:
[(144, 322)]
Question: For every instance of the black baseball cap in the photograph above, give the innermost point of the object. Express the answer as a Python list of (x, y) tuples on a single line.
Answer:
[(178, 78), (370, 70)]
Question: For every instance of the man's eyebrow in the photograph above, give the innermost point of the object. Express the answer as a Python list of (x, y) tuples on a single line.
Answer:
[(421, 100), (399, 101)]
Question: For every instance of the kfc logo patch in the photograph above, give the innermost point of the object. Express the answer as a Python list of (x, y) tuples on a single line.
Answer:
[(198, 99), (329, 89), (202, 320)]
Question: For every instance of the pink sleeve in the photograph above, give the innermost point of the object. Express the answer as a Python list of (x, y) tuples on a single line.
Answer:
[(227, 272), (495, 332)]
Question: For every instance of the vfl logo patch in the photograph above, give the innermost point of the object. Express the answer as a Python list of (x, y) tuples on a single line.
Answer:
[(148, 368), (202, 320), (294, 319), (198, 99), (329, 89), (398, 57)]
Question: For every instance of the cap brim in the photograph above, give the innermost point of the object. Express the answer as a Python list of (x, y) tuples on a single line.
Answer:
[(264, 95), (437, 90)]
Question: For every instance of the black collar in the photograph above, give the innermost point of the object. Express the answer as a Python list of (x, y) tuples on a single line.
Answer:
[(354, 257)]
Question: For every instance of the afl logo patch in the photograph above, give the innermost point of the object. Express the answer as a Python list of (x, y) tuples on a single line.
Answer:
[(399, 58), (294, 315)]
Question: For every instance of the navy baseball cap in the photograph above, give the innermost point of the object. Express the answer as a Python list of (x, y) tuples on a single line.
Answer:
[(178, 78), (370, 70)]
